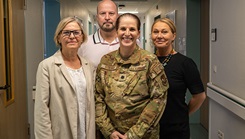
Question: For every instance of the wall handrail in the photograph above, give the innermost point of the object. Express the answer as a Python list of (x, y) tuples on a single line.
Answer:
[(227, 94)]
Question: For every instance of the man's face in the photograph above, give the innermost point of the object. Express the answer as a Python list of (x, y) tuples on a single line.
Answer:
[(107, 16)]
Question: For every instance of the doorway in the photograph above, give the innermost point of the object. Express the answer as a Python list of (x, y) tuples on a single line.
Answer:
[(13, 104)]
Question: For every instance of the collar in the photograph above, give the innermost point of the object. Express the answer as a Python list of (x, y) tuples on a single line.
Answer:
[(133, 59), (98, 39)]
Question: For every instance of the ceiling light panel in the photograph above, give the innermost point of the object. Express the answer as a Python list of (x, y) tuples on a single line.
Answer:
[(124, 0)]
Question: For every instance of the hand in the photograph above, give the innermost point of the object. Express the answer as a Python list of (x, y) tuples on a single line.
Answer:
[(117, 135), (125, 136)]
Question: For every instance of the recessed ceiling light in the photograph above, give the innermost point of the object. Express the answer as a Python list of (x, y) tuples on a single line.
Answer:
[(132, 12)]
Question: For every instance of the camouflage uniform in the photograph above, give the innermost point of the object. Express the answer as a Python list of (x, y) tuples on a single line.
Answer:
[(130, 95)]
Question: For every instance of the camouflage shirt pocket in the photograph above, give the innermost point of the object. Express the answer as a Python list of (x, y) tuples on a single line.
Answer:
[(137, 86)]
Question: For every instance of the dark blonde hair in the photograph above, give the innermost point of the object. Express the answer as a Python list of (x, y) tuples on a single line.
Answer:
[(62, 25), (167, 21)]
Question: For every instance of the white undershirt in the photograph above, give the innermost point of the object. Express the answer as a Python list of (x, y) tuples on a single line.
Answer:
[(78, 78)]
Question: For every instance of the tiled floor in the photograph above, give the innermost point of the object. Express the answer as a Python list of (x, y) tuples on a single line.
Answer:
[(198, 132)]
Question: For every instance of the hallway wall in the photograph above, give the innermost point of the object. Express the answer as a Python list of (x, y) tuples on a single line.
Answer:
[(34, 32), (227, 70), (76, 8), (162, 8)]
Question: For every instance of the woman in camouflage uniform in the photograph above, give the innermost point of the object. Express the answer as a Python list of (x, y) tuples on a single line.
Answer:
[(131, 87)]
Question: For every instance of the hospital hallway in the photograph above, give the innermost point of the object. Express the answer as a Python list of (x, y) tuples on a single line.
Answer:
[(210, 32)]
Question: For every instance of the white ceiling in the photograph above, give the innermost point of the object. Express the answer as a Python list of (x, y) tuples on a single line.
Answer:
[(141, 6)]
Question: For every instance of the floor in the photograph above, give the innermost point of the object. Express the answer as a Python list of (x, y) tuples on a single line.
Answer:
[(198, 132)]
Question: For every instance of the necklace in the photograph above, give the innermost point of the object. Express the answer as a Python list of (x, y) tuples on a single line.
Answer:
[(166, 60)]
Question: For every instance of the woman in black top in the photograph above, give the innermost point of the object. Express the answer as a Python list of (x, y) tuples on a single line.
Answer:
[(182, 74)]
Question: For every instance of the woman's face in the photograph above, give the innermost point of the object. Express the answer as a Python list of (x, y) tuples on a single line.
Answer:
[(71, 37), (128, 32), (162, 36)]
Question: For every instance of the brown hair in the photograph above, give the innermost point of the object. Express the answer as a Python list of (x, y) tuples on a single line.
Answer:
[(128, 14)]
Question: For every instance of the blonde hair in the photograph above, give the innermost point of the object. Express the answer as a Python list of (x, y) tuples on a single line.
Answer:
[(167, 21), (62, 25)]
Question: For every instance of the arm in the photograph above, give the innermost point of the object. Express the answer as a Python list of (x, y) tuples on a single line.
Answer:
[(102, 119), (195, 86), (42, 120), (196, 102), (158, 85)]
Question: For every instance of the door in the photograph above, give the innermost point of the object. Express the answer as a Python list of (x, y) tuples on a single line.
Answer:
[(144, 40), (13, 103), (204, 111), (2, 54)]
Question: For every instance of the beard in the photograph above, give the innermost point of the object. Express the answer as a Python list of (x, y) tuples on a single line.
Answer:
[(107, 28)]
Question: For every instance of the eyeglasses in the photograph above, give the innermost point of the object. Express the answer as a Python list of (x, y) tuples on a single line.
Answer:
[(76, 33)]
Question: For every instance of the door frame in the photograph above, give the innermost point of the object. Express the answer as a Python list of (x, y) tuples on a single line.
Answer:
[(13, 113)]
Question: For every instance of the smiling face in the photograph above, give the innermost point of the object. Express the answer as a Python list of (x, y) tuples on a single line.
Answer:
[(128, 31), (162, 36), (71, 37)]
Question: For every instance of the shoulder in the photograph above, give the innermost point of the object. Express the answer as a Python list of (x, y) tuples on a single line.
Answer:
[(182, 58), (89, 41), (54, 59), (48, 61), (185, 62), (90, 37), (146, 55), (107, 62), (109, 58), (152, 60)]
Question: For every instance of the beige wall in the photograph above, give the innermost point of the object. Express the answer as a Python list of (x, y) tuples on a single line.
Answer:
[(34, 50), (77, 10), (164, 7), (227, 70)]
